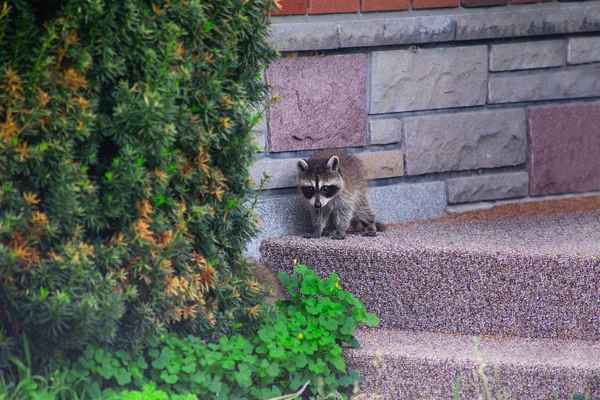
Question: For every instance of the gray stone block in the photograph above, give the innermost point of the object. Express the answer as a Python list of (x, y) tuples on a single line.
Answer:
[(383, 164), (403, 80), (544, 85), (583, 50), (487, 187), (393, 31), (464, 141), (318, 32), (409, 201), (550, 19), (304, 36), (385, 131), (280, 216), (282, 172), (529, 55)]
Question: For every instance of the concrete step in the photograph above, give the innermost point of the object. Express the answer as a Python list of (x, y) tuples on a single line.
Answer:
[(415, 365), (535, 276)]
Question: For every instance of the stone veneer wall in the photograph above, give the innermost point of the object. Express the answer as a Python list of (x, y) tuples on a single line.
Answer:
[(445, 106)]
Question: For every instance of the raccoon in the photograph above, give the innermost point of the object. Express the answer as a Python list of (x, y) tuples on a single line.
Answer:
[(334, 185)]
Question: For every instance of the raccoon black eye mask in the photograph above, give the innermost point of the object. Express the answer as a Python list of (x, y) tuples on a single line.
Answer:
[(333, 185), (327, 191)]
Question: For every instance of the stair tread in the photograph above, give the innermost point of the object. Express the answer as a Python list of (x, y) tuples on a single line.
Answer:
[(575, 234), (421, 365), (463, 348)]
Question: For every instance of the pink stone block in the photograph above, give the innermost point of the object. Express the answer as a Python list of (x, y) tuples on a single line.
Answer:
[(564, 149), (323, 103)]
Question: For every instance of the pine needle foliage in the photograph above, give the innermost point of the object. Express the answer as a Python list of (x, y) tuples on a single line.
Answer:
[(125, 138)]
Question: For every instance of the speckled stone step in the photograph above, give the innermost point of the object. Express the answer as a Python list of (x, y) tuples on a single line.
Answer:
[(536, 276), (415, 365)]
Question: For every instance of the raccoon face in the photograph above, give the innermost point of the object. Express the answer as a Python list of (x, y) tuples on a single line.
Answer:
[(320, 182)]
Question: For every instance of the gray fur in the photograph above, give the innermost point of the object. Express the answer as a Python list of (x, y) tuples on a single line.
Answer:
[(349, 206)]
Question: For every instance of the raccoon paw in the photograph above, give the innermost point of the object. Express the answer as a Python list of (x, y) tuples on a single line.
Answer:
[(311, 236), (369, 233), (338, 237)]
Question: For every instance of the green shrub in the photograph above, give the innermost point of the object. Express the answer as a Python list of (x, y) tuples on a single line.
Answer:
[(303, 343), (125, 137)]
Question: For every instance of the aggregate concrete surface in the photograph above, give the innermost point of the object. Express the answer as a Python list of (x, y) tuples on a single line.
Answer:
[(532, 276), (418, 365), (505, 298)]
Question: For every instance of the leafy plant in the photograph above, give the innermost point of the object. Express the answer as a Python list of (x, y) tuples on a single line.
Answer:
[(125, 141), (317, 320), (20, 384), (301, 345)]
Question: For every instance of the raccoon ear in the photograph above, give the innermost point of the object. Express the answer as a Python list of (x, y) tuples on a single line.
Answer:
[(333, 163), (302, 166)]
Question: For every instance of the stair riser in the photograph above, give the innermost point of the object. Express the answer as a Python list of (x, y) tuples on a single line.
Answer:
[(460, 292), (406, 378)]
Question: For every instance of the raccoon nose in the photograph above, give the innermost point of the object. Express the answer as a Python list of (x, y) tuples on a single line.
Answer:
[(317, 204)]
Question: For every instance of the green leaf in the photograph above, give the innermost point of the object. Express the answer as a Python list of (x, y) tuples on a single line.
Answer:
[(168, 378), (153, 352), (337, 361), (207, 26), (371, 320), (141, 362), (318, 366), (162, 361), (123, 355), (228, 364), (189, 368), (123, 377), (328, 323), (43, 293), (352, 342), (301, 269), (348, 327), (277, 353), (244, 376), (215, 386), (109, 176), (301, 360), (273, 370)]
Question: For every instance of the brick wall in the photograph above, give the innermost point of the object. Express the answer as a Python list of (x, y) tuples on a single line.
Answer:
[(302, 7), (444, 107)]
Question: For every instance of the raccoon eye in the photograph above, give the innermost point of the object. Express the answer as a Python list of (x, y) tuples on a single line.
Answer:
[(329, 191), (308, 191)]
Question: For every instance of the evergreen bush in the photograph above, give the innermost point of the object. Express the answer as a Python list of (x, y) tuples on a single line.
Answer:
[(125, 137)]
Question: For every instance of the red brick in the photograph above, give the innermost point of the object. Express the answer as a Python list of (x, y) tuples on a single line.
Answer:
[(435, 3), (484, 3), (292, 7), (385, 5), (333, 6)]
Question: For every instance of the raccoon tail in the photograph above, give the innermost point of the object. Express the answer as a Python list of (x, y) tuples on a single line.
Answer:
[(380, 226)]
